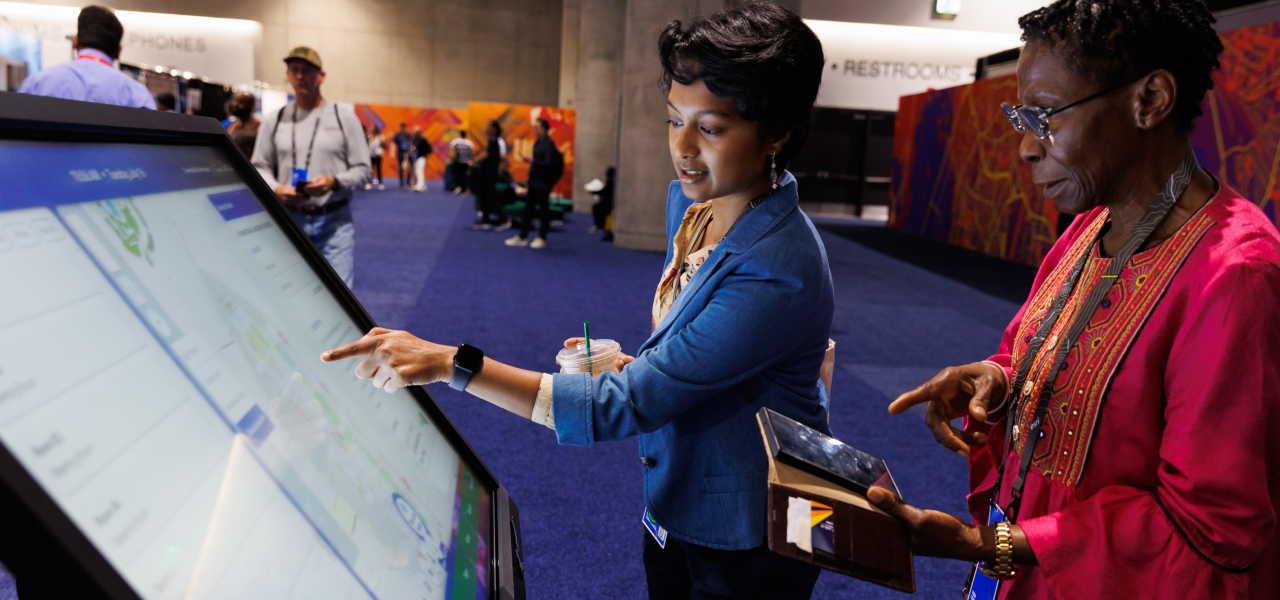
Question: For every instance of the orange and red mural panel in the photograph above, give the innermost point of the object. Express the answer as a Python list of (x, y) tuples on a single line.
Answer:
[(517, 128), (957, 177), (1238, 137), (440, 125)]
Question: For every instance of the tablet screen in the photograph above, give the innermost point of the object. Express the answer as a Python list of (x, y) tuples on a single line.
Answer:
[(160, 379)]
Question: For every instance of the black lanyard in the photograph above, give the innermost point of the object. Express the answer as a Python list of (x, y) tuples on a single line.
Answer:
[(293, 152), (1164, 201)]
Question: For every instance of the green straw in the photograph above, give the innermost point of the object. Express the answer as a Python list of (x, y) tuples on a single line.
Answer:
[(586, 334)]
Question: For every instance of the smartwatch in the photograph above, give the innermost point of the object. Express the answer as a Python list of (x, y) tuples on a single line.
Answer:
[(466, 363)]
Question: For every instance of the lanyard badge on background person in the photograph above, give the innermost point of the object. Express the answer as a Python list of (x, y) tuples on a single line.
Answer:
[(96, 59), (300, 175), (984, 584)]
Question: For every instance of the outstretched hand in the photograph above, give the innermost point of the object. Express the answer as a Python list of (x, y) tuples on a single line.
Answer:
[(933, 533), (395, 359), (964, 391), (623, 359)]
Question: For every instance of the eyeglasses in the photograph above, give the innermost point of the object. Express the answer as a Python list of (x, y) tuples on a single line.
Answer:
[(1037, 119)]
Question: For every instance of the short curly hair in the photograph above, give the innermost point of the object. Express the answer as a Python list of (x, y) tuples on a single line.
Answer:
[(1114, 41), (762, 57)]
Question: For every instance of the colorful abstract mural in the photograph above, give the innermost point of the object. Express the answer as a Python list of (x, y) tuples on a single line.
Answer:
[(440, 125), (1238, 138), (957, 177), (517, 129)]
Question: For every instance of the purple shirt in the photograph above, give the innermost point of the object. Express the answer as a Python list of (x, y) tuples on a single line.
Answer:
[(90, 81)]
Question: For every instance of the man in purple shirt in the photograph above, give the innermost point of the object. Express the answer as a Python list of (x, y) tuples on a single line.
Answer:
[(92, 76)]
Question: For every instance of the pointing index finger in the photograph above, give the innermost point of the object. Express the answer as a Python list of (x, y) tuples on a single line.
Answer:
[(361, 347)]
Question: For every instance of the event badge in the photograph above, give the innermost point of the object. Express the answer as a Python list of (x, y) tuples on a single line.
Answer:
[(654, 528), (299, 176), (981, 587)]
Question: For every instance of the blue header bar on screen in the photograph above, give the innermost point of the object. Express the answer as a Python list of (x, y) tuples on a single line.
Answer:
[(46, 174)]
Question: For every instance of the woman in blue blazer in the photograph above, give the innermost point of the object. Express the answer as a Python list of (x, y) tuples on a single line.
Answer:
[(741, 316)]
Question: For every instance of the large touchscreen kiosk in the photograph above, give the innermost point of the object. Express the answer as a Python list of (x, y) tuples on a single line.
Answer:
[(160, 379)]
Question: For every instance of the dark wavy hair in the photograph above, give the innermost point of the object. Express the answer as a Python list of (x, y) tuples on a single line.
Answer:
[(1114, 41), (761, 57), (97, 27)]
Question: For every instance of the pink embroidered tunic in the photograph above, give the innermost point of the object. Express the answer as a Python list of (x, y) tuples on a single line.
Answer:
[(1158, 473)]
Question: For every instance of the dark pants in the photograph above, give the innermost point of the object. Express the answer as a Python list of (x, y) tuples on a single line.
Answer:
[(376, 163), (685, 571), (459, 176), (487, 198), (600, 213), (538, 199)]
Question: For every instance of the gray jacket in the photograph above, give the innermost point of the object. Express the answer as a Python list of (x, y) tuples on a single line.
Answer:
[(340, 149)]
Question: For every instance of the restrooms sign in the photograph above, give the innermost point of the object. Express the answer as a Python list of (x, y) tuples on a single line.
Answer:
[(224, 50), (871, 66)]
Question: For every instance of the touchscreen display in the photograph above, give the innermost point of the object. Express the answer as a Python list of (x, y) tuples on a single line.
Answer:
[(160, 379), (811, 450)]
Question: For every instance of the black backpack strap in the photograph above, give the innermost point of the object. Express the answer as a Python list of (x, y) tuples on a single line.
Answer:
[(279, 117), (346, 148)]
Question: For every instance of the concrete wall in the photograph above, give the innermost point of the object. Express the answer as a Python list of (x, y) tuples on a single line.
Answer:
[(644, 160), (596, 88), (439, 53)]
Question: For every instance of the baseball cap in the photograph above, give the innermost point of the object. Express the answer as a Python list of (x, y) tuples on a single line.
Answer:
[(307, 54)]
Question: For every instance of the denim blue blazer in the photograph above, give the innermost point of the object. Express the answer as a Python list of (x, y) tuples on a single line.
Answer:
[(749, 330)]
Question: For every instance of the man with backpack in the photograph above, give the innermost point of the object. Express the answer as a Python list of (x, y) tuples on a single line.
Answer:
[(544, 172), (314, 154)]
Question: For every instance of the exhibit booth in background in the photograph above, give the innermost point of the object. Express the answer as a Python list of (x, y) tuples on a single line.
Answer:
[(957, 177), (19, 58), (844, 166), (224, 50), (443, 125)]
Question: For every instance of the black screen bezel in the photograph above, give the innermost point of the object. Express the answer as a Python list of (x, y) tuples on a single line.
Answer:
[(30, 118)]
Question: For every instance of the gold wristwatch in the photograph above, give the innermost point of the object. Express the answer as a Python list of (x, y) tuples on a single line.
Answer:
[(1002, 567)]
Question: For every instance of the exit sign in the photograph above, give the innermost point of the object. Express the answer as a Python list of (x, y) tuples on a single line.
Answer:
[(946, 9)]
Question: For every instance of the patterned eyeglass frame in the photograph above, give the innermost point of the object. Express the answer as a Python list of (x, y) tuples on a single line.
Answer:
[(1023, 117)]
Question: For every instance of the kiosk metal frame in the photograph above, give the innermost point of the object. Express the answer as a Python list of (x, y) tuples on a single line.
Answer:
[(40, 538)]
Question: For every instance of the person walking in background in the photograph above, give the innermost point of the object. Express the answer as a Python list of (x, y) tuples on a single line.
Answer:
[(315, 157), (403, 142), (461, 150), (166, 102), (544, 172), (92, 76), (603, 207), (421, 150), (490, 160), (244, 129), (377, 146)]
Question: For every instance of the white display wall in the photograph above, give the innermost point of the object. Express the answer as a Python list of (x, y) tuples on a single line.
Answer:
[(224, 50)]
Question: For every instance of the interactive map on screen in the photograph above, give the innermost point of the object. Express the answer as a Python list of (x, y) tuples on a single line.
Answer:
[(160, 379)]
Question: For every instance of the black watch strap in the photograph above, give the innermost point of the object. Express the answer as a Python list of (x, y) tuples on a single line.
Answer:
[(466, 363)]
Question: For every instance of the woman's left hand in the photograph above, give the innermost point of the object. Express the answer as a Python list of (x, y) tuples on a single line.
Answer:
[(396, 359), (623, 359), (934, 533)]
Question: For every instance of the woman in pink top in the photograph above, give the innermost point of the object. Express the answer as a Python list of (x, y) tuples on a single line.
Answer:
[(1141, 379)]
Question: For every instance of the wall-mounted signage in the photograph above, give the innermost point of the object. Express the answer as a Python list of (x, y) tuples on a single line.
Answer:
[(224, 50), (870, 66)]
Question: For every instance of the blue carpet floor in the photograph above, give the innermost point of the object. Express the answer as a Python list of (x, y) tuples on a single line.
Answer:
[(420, 267)]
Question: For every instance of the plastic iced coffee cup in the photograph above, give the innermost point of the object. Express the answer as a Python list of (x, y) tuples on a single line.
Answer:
[(604, 358)]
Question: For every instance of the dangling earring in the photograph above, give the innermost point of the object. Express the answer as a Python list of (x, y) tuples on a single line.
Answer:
[(773, 169)]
